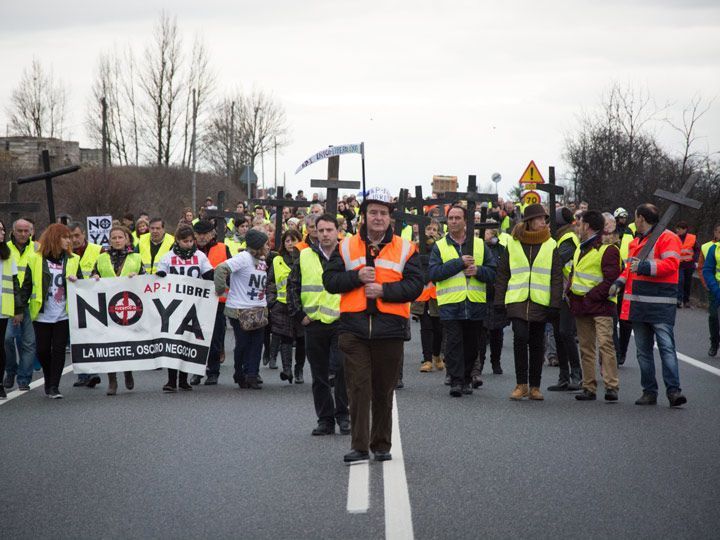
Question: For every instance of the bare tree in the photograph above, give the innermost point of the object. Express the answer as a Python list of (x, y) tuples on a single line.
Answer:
[(201, 78), (38, 103), (160, 80)]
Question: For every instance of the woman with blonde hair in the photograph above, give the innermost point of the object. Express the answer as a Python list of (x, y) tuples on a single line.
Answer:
[(44, 290)]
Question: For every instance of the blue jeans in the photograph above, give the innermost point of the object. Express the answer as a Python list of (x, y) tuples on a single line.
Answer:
[(645, 335), (23, 336), (248, 348)]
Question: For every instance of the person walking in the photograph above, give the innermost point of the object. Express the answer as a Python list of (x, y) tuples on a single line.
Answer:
[(216, 253), (596, 266), (20, 337), (650, 305), (246, 305), (689, 255), (425, 308), (44, 291), (183, 259), (10, 301), (528, 289), (462, 297), (713, 321), (318, 311), (285, 330), (377, 275), (118, 261)]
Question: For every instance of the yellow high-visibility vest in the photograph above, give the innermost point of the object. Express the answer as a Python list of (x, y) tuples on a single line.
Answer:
[(459, 287), (8, 294), (132, 265), (145, 255), (89, 258), (588, 270), (318, 304), (526, 281), (282, 271), (567, 267), (36, 269)]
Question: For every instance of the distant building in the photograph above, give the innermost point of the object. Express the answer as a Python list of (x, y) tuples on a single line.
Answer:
[(444, 184), (26, 152)]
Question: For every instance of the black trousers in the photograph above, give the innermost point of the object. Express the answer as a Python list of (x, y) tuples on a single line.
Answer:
[(495, 339), (3, 327), (461, 349), (321, 342), (430, 335), (567, 351), (622, 330), (528, 346), (217, 343), (51, 339)]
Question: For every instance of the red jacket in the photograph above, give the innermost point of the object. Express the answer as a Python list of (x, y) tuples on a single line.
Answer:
[(651, 293)]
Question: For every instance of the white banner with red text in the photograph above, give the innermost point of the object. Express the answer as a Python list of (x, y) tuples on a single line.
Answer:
[(141, 323)]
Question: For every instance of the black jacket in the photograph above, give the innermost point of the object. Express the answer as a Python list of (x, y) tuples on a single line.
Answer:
[(371, 323), (294, 285), (27, 286)]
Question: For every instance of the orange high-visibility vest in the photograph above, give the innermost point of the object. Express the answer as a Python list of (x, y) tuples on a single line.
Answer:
[(686, 251), (429, 291), (389, 266), (217, 255)]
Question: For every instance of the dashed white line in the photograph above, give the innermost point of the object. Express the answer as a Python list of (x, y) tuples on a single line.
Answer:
[(39, 382), (398, 515), (358, 497)]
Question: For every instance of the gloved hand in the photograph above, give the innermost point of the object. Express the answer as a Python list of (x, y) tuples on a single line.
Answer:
[(614, 289)]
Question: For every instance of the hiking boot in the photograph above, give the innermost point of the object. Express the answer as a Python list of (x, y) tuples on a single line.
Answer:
[(521, 391), (611, 394), (586, 395), (676, 399), (647, 399), (438, 363), (426, 367), (535, 394), (112, 384)]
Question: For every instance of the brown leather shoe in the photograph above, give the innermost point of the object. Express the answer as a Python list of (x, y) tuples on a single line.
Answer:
[(536, 394), (521, 391), (438, 363), (112, 384)]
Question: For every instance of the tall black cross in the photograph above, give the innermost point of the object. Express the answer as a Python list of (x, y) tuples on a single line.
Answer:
[(473, 198), (677, 199), (279, 203), (332, 184), (16, 208), (220, 215), (551, 189), (48, 176)]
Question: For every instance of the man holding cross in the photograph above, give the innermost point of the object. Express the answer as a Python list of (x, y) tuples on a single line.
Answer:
[(461, 295), (650, 304)]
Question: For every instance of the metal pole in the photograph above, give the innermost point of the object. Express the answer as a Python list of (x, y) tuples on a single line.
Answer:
[(192, 147), (231, 145), (362, 158), (275, 145), (105, 144)]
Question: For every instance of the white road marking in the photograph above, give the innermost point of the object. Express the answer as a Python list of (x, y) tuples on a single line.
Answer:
[(398, 515), (698, 364), (39, 382), (358, 497)]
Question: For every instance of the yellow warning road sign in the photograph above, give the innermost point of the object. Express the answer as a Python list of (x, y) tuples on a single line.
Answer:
[(531, 197), (532, 175)]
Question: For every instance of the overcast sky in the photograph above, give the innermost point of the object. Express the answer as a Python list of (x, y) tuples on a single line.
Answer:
[(451, 87)]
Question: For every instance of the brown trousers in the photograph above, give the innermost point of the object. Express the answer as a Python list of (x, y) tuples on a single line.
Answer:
[(372, 368), (592, 330)]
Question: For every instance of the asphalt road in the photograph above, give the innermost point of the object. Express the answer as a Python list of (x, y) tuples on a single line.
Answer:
[(220, 462)]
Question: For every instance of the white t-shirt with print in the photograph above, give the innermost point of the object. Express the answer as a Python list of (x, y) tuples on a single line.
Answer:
[(247, 282), (195, 266), (55, 306), (13, 272)]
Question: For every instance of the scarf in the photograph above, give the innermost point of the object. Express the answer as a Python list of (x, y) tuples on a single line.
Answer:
[(521, 233), (184, 253)]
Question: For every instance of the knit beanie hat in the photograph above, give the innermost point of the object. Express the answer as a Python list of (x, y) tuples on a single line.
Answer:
[(563, 216), (255, 239)]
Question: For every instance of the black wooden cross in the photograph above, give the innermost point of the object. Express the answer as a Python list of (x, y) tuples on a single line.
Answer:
[(332, 184), (473, 198), (16, 208), (48, 176), (279, 203), (551, 189), (220, 215), (677, 200)]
